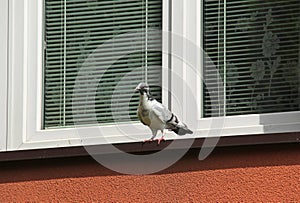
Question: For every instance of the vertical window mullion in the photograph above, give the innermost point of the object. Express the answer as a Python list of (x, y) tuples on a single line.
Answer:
[(146, 41), (224, 62)]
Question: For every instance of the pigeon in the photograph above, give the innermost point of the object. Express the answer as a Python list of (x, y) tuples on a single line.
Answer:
[(156, 116)]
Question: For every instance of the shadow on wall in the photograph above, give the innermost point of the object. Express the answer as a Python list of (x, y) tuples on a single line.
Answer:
[(221, 158)]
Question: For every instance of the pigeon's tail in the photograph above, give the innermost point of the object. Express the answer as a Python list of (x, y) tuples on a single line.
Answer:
[(182, 130)]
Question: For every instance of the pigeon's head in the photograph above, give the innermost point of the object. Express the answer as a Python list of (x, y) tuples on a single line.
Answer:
[(142, 88)]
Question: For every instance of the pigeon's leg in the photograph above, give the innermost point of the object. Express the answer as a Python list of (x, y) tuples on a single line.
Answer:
[(154, 132), (161, 139)]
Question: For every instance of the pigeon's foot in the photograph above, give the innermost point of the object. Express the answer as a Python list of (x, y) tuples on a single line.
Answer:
[(148, 141), (162, 139)]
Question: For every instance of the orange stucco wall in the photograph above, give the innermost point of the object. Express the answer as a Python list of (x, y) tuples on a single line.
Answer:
[(257, 173)]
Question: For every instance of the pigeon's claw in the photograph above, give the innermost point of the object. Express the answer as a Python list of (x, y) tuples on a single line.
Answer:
[(162, 139)]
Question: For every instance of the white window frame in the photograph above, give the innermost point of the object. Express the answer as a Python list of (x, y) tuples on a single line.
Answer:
[(26, 88), (3, 72), (190, 13), (25, 98)]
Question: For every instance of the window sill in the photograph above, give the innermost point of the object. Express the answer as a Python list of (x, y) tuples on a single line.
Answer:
[(138, 147)]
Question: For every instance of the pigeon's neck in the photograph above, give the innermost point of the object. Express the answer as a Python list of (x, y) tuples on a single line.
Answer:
[(145, 96)]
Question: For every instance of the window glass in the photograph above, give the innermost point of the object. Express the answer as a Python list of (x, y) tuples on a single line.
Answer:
[(106, 43), (255, 46)]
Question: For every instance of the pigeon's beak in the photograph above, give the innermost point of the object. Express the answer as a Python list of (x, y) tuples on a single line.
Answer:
[(136, 89)]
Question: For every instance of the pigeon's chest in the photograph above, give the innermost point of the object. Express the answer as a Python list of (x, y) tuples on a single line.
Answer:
[(144, 112)]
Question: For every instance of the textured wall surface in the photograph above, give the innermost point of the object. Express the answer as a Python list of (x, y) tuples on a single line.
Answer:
[(258, 173)]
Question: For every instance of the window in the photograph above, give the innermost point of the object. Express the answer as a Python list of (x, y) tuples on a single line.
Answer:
[(52, 41), (254, 46), (56, 48)]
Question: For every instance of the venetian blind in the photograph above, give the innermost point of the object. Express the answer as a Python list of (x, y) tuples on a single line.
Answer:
[(88, 39), (255, 47)]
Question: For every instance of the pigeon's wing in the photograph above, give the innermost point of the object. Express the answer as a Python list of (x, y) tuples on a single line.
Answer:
[(161, 112), (169, 119)]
